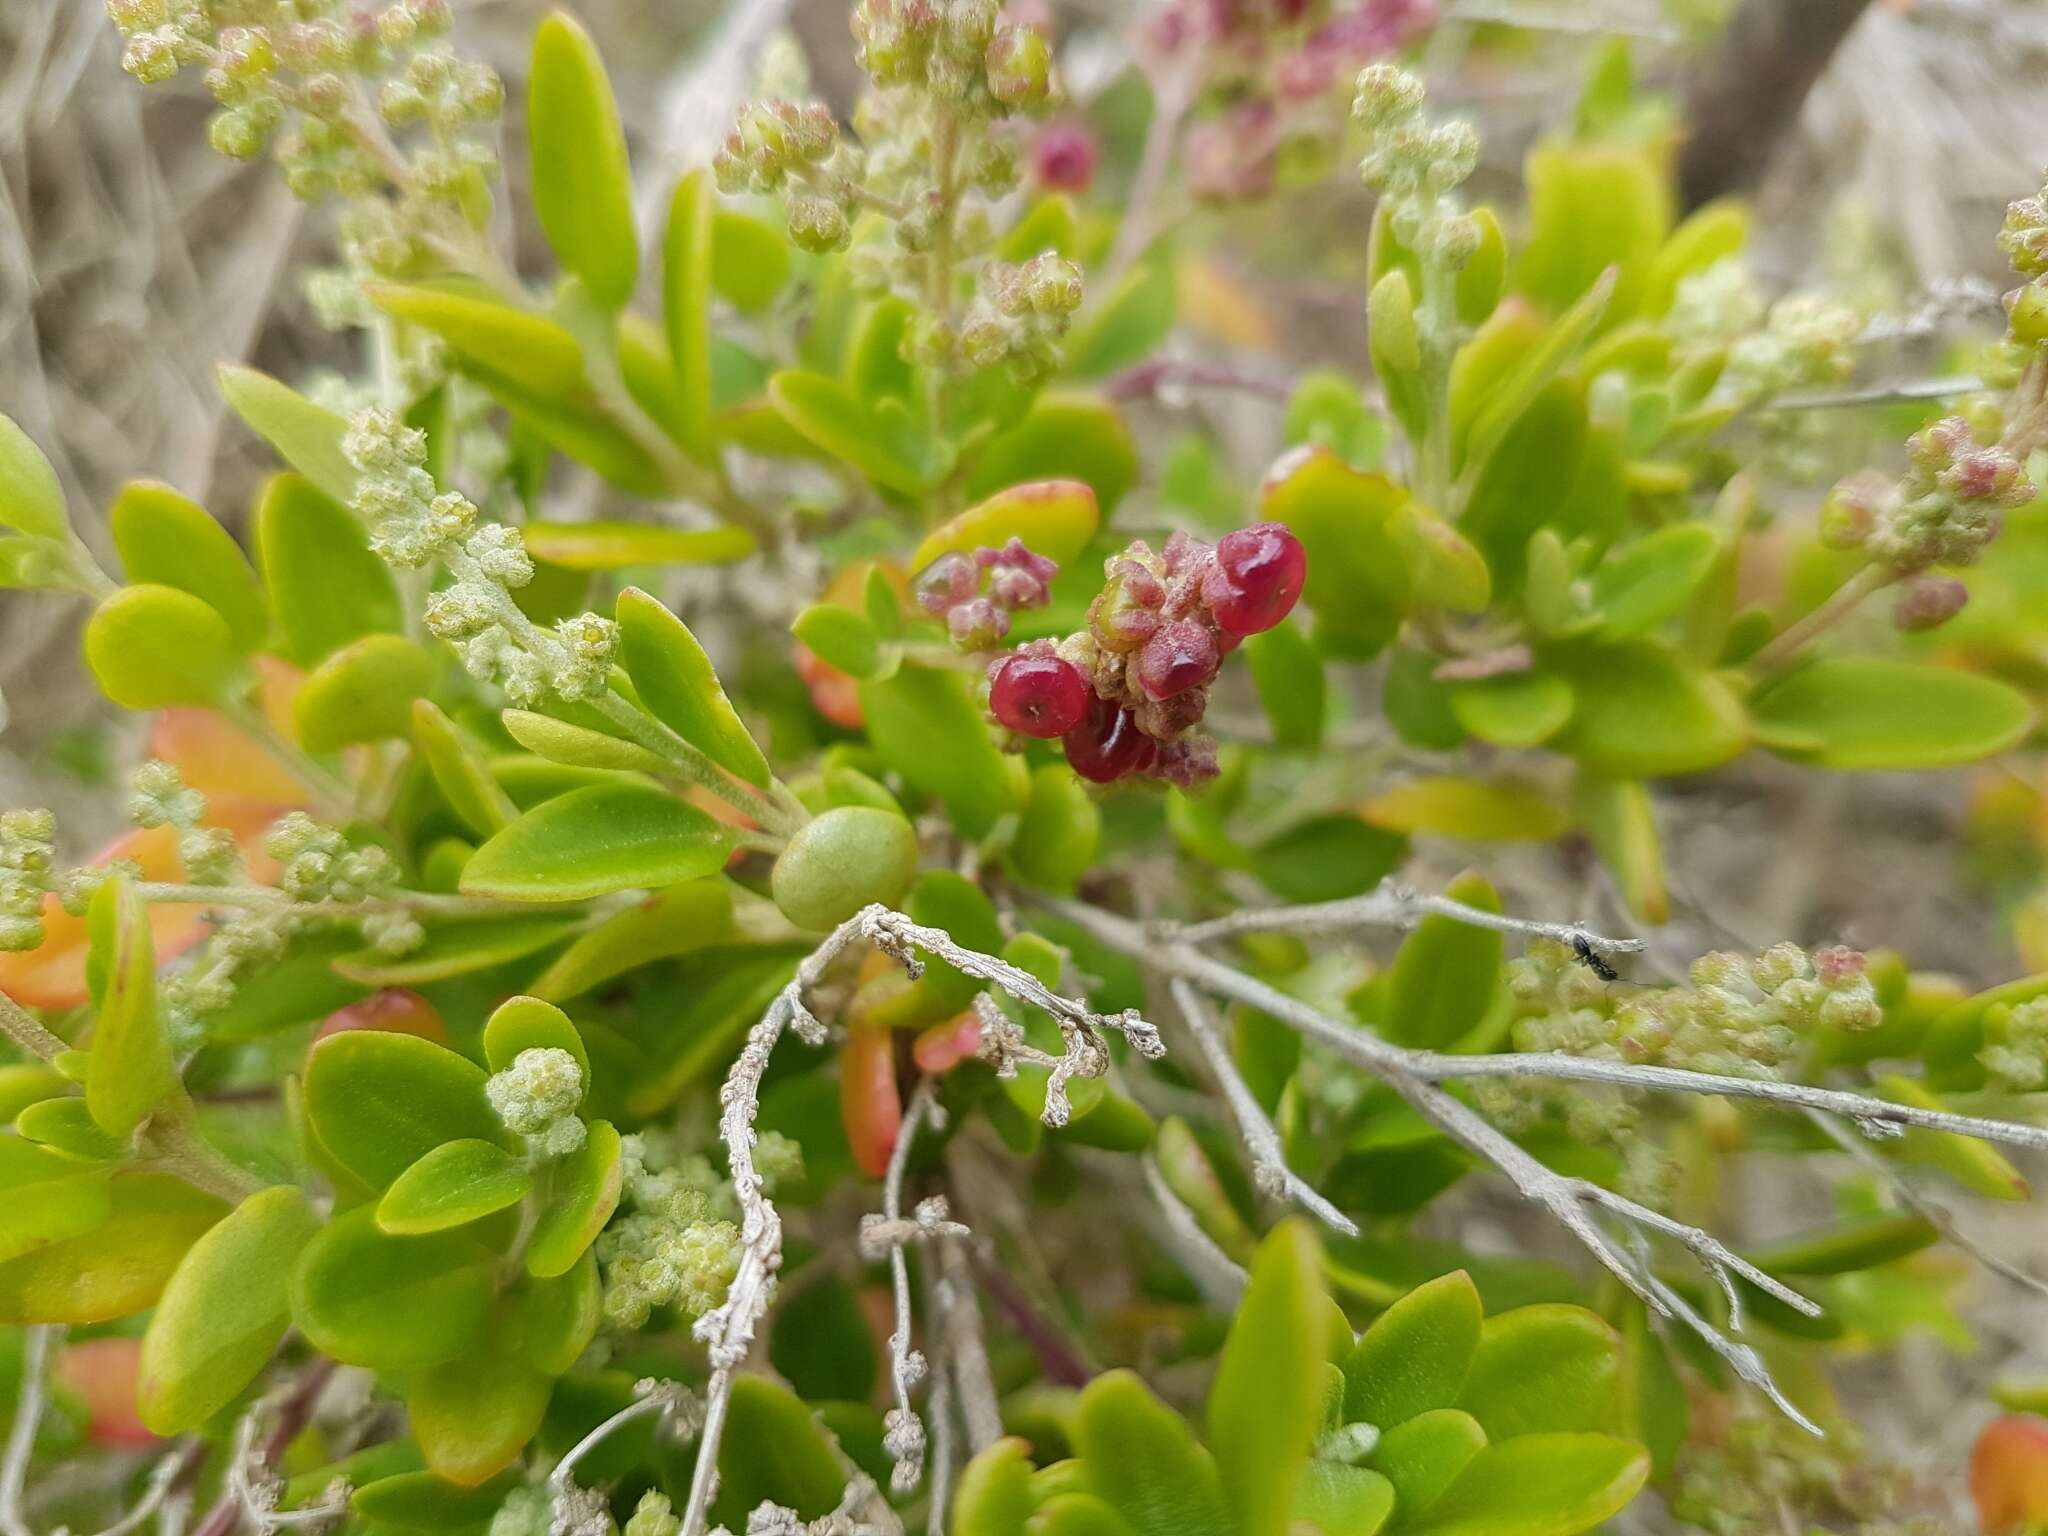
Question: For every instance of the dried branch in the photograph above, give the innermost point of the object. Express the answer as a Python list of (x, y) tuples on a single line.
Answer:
[(906, 1440), (21, 1438), (966, 1360), (1415, 1076), (728, 1329), (1269, 1162), (1388, 905), (1216, 1274)]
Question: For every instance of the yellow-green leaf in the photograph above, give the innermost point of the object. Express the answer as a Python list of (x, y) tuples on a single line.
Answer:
[(169, 540), (582, 185), (306, 436), (153, 647), (676, 682), (132, 1070), (616, 546), (591, 841), (363, 692)]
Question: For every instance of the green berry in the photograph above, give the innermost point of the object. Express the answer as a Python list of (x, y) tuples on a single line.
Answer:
[(842, 861)]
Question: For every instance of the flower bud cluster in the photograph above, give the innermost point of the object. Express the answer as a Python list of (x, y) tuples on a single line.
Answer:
[(1948, 506), (1416, 161), (28, 871), (946, 76), (2017, 1055), (325, 87), (537, 1098), (654, 1515), (975, 594), (1743, 1017), (319, 865), (161, 799), (1020, 314), (1805, 341), (1273, 68), (1124, 693), (676, 1246), (2024, 239), (411, 524)]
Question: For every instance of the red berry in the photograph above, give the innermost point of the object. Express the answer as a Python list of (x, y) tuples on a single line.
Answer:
[(1040, 696), (1256, 578), (1108, 744), (1180, 656)]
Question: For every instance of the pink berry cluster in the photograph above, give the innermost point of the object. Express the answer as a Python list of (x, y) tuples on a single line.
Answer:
[(1272, 65), (976, 593), (1123, 694)]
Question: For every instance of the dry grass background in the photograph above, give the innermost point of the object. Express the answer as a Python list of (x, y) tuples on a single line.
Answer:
[(132, 259)]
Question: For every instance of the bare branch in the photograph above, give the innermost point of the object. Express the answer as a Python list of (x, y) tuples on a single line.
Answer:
[(1219, 1277), (1269, 1162), (28, 1418), (966, 1359), (906, 1439), (1389, 905)]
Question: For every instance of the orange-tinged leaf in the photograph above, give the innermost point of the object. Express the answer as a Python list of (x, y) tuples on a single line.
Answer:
[(2009, 1473), (103, 1371), (1056, 518), (868, 1102), (944, 1046)]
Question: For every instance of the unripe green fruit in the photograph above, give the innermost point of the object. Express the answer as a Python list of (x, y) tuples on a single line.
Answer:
[(841, 861), (2030, 313)]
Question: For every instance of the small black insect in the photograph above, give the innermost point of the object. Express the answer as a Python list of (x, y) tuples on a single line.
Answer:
[(1592, 959)]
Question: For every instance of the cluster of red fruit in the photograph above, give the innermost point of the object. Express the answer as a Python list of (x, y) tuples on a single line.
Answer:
[(1123, 693)]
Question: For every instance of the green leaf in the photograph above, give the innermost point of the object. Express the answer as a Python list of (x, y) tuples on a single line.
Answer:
[(582, 185), (223, 1312), (592, 841), (50, 1195), (1076, 1514), (775, 1452), (578, 746), (1644, 711), (995, 1497), (1055, 518), (1266, 1404), (1424, 1455), (1539, 1485), (1708, 235), (456, 1183), (380, 1101), (31, 497), (822, 1344), (926, 725), (459, 771), (170, 541), (132, 1070), (1060, 832), (559, 1316), (390, 1303), (1445, 975), (1593, 208), (1357, 585), (1064, 436), (1416, 1355), (1527, 482), (1128, 324), (363, 692), (838, 635), (119, 1267), (531, 1024), (530, 351), (66, 1124), (1859, 1242), (1518, 390), (1327, 858), (1144, 1461), (669, 923), (1862, 713), (1641, 584), (425, 1503), (1976, 1165), (1288, 673), (1621, 820), (677, 684), (1469, 810), (473, 1417), (1484, 274), (616, 546), (1655, 1409), (583, 1193), (1541, 1368), (829, 415), (326, 587), (1342, 1501), (155, 647), (455, 949), (1513, 709), (750, 260), (306, 436), (688, 266)]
